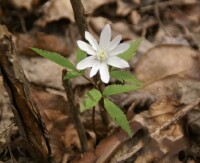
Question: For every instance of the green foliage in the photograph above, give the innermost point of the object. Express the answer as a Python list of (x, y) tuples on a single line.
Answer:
[(117, 115), (117, 89), (73, 74), (127, 55), (125, 76), (91, 99), (80, 55), (56, 58)]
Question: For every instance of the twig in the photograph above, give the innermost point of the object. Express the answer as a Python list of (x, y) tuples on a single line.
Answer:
[(167, 124), (88, 79), (74, 112), (103, 113), (176, 117), (79, 16), (93, 120), (6, 129), (157, 12), (163, 5)]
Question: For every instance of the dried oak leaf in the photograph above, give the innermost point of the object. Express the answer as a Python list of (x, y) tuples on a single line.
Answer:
[(160, 143), (54, 10), (55, 113), (97, 23), (91, 6), (167, 70), (167, 60), (27, 4), (124, 7), (42, 72), (186, 23), (43, 41), (107, 148), (6, 115)]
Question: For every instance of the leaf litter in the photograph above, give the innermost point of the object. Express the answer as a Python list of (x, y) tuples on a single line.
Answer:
[(167, 63)]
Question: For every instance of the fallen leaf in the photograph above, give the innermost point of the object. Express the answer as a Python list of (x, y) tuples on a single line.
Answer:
[(42, 72), (91, 6), (97, 24), (55, 10), (56, 116), (124, 7), (21, 4), (167, 60), (6, 115), (43, 41)]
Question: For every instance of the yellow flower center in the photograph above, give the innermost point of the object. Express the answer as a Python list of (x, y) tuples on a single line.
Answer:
[(102, 55)]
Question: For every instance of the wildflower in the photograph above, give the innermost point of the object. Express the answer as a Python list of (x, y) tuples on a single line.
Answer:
[(103, 54)]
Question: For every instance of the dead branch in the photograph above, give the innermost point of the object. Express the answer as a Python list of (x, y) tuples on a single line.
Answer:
[(25, 112), (75, 113)]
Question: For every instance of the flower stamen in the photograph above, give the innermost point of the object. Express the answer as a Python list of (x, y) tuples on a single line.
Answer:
[(102, 55)]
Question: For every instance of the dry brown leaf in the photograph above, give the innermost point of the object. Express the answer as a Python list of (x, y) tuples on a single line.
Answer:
[(21, 4), (55, 10), (159, 113), (91, 6), (55, 113), (163, 142), (188, 17), (167, 71), (107, 148), (6, 115), (170, 34), (97, 24), (42, 72), (124, 7), (167, 60), (185, 2), (43, 41), (134, 17)]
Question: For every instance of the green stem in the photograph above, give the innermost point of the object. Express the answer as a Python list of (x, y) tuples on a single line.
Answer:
[(103, 113)]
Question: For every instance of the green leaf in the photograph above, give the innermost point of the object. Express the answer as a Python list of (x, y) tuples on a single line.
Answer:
[(125, 76), (73, 74), (55, 57), (117, 89), (117, 115), (91, 99), (127, 55), (80, 55)]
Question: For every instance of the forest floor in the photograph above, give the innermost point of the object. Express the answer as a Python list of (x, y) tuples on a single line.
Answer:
[(164, 114)]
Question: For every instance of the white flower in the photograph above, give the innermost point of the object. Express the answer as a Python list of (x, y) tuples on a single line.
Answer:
[(102, 54)]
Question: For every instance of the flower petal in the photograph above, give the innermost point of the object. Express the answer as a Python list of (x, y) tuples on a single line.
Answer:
[(85, 63), (105, 37), (117, 62), (104, 73), (119, 49), (113, 44), (86, 47), (95, 68), (91, 40)]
